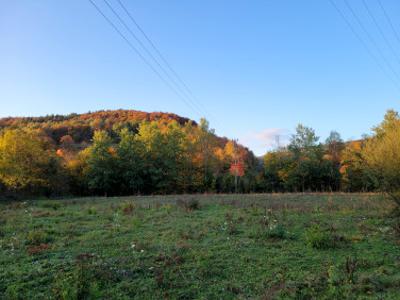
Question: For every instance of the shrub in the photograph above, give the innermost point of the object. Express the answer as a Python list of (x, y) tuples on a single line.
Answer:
[(188, 204), (128, 208), (320, 238), (91, 211), (277, 231), (271, 228), (231, 224), (37, 237), (81, 282)]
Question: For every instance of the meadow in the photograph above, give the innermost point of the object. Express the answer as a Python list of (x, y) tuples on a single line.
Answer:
[(258, 246)]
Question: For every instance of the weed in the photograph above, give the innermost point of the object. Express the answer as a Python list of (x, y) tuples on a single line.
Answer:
[(51, 204), (158, 255), (320, 238), (396, 227), (37, 249), (276, 231), (231, 224), (271, 228), (40, 214), (128, 208), (91, 211), (136, 222), (38, 237), (188, 204), (350, 268)]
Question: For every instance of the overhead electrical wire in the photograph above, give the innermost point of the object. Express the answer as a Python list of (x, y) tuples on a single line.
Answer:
[(142, 57), (396, 34), (365, 45), (372, 40), (162, 58), (382, 33), (177, 86)]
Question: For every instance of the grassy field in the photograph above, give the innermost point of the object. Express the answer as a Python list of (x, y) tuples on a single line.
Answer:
[(292, 246)]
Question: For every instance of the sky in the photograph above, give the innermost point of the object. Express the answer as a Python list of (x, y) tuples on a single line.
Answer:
[(255, 68)]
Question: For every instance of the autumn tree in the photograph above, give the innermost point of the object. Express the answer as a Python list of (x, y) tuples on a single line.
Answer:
[(382, 155), (355, 176), (277, 167), (26, 162), (304, 165)]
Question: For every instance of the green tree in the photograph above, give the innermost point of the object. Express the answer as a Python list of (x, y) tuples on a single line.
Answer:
[(277, 167), (334, 146), (162, 144), (303, 140), (304, 165), (101, 170), (207, 144), (130, 162)]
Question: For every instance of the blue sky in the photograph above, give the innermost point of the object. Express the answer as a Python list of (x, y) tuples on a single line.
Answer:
[(258, 67)]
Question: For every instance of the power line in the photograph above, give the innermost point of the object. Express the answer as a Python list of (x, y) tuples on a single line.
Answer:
[(381, 31), (141, 56), (163, 59), (372, 40), (389, 21), (151, 55), (365, 45)]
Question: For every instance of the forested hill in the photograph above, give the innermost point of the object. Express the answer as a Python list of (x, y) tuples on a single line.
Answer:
[(119, 152), (82, 126), (114, 116), (128, 152)]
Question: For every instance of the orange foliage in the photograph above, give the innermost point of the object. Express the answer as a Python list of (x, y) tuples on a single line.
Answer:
[(60, 153), (237, 169)]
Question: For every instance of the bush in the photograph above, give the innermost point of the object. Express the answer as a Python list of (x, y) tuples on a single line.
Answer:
[(271, 227), (38, 237), (81, 282), (91, 211), (277, 231), (320, 238), (188, 204), (128, 208)]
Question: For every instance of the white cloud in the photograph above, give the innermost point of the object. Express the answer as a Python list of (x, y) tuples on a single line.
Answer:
[(262, 141)]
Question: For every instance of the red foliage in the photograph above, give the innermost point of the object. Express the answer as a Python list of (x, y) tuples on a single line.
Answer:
[(237, 169)]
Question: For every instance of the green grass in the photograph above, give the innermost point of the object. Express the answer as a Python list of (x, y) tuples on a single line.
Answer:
[(310, 246)]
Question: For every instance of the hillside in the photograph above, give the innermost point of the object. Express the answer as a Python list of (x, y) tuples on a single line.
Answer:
[(145, 152), (82, 126)]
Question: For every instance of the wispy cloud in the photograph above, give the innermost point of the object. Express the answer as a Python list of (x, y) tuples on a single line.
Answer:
[(266, 139)]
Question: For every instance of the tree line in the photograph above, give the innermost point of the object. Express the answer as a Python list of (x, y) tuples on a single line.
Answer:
[(150, 157), (95, 154)]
